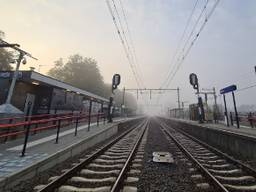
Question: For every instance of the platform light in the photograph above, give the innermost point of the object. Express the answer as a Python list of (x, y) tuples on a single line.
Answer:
[(35, 83)]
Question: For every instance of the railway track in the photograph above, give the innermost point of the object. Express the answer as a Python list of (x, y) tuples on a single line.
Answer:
[(113, 167), (220, 170)]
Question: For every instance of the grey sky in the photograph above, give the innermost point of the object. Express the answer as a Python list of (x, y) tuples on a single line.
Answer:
[(223, 55)]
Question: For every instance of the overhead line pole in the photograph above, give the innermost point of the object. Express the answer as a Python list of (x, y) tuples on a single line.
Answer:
[(154, 89), (178, 94)]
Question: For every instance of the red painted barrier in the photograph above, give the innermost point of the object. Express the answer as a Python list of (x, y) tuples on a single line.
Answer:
[(41, 116), (69, 118)]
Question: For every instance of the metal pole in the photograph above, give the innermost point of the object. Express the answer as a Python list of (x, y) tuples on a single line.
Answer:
[(76, 125), (182, 104), (110, 108), (123, 96), (98, 118), (215, 105), (205, 98), (89, 118), (231, 119), (178, 93), (123, 105), (27, 132), (226, 111), (58, 132), (102, 111), (15, 76), (237, 119), (55, 115), (200, 106), (201, 110)]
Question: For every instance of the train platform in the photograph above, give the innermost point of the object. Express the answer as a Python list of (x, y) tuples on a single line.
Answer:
[(42, 151), (243, 130)]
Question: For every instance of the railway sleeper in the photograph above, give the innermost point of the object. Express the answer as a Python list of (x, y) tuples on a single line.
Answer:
[(92, 173), (236, 180), (129, 189), (113, 157), (100, 166), (240, 188), (109, 161), (116, 154), (226, 172), (84, 182), (68, 188), (219, 167)]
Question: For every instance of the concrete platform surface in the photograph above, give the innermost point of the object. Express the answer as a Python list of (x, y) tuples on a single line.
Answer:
[(42, 146)]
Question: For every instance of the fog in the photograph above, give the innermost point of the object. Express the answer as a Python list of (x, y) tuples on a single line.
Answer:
[(222, 55)]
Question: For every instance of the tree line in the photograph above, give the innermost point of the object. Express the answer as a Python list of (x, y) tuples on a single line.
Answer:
[(5, 56), (83, 72)]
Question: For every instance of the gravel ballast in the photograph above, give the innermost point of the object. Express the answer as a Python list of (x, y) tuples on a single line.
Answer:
[(161, 176)]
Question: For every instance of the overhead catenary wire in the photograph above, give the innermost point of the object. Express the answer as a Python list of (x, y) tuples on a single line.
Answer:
[(183, 50), (182, 58), (181, 39), (123, 43), (178, 47), (131, 53), (131, 40), (245, 88), (132, 57)]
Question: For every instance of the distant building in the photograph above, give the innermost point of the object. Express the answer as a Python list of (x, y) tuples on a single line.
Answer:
[(46, 94)]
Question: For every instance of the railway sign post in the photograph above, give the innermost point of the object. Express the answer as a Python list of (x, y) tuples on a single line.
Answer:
[(116, 80), (194, 82), (225, 90)]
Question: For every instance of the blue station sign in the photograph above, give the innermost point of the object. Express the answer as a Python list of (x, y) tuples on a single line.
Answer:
[(228, 89)]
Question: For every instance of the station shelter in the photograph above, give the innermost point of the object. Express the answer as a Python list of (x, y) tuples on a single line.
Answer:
[(46, 94)]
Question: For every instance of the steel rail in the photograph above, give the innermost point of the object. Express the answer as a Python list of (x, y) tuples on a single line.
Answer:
[(65, 176), (215, 150), (119, 181), (191, 157)]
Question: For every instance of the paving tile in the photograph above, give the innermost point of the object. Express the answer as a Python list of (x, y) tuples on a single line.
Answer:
[(2, 163)]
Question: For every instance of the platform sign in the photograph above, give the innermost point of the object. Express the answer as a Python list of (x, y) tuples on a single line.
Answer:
[(228, 89)]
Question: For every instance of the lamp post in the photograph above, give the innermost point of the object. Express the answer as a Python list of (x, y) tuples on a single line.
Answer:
[(14, 79), (7, 107)]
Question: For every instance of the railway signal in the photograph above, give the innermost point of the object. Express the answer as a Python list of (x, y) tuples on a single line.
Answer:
[(116, 80), (194, 82)]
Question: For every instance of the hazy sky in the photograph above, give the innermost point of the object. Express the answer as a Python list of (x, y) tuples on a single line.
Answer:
[(224, 53)]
